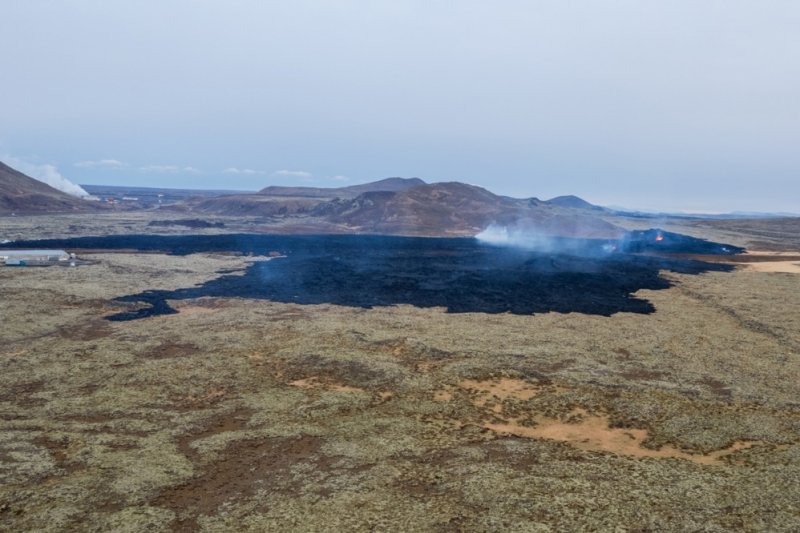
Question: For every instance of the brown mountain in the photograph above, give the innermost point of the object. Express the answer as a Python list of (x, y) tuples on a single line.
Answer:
[(574, 202), (403, 207), (457, 209), (23, 195)]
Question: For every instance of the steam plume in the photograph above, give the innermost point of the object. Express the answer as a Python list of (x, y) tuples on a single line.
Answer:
[(48, 174), (531, 238)]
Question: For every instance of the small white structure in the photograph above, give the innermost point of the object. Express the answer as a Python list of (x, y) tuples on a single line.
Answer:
[(32, 257)]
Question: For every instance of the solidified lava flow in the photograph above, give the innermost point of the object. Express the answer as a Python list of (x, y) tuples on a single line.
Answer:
[(461, 275)]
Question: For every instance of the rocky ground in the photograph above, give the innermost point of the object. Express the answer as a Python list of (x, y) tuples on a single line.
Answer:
[(240, 415)]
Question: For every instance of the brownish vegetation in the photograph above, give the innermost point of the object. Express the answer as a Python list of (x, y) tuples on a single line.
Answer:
[(238, 415)]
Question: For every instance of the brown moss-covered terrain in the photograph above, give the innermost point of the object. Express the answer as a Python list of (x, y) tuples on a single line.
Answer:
[(252, 415)]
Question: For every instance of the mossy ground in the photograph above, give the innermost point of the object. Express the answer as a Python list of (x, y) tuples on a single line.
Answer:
[(238, 415)]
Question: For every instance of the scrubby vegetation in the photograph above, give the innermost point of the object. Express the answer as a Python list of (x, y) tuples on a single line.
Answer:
[(240, 415)]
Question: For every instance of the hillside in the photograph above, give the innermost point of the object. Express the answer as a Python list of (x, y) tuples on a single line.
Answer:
[(279, 201), (573, 202), (456, 209), (250, 205), (23, 195), (388, 184), (397, 206)]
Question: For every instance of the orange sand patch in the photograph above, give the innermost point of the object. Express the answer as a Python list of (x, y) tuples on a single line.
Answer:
[(500, 389), (314, 383), (593, 433), (443, 396)]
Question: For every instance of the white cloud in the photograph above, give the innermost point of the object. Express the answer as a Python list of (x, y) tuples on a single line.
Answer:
[(340, 178), (100, 163), (243, 171), (48, 174), (293, 174), (169, 169)]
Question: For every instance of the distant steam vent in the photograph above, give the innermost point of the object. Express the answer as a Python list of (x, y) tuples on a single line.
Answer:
[(651, 241), (21, 194)]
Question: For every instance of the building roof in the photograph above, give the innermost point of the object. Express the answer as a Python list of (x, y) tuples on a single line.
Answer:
[(31, 253)]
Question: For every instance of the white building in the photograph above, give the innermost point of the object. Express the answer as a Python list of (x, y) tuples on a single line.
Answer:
[(32, 257)]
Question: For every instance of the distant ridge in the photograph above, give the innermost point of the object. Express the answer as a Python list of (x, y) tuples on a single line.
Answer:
[(398, 206), (573, 202), (456, 209), (278, 201), (388, 184), (23, 195)]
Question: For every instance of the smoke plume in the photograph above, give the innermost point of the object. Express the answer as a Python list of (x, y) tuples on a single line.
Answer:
[(533, 239)]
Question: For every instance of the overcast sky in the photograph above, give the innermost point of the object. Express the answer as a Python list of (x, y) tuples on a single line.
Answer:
[(691, 105)]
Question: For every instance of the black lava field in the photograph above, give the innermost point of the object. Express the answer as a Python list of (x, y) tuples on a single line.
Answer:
[(460, 274)]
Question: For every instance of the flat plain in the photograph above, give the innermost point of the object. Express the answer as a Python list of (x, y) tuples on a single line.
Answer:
[(253, 415)]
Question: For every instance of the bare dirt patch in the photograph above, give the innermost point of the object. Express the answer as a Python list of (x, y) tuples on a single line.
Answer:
[(443, 396), (789, 267), (759, 261), (763, 261), (763, 253), (500, 388), (594, 433)]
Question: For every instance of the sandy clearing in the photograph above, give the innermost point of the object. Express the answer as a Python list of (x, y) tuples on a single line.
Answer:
[(443, 396), (501, 388), (593, 433), (788, 262), (789, 267), (772, 254)]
